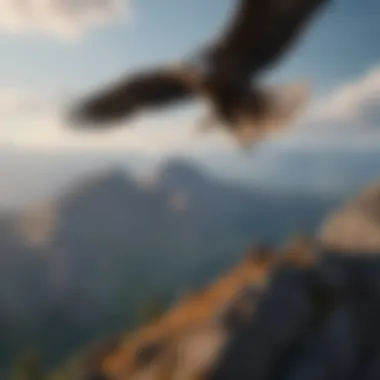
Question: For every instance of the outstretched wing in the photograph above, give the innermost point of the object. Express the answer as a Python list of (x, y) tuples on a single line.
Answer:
[(143, 90), (259, 32)]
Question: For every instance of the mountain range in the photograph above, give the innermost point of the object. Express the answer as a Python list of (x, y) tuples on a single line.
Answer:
[(80, 265)]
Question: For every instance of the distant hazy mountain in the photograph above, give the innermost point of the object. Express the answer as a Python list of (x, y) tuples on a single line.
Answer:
[(45, 173), (80, 265)]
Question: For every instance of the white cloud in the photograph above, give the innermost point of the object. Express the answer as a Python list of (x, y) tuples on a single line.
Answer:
[(346, 121), (49, 132), (61, 18), (16, 102), (354, 105), (37, 121), (348, 118)]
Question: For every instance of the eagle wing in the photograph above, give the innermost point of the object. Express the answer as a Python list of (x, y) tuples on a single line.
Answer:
[(147, 89), (259, 32)]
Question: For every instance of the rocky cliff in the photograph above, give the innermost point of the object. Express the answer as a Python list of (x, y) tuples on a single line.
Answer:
[(307, 311), (296, 314)]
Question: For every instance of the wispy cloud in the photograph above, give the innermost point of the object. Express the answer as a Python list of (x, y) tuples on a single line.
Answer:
[(16, 102), (327, 151), (48, 132), (68, 19), (352, 106), (349, 117), (39, 121)]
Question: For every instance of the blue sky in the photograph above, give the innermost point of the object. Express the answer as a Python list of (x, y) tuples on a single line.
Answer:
[(340, 44), (52, 51)]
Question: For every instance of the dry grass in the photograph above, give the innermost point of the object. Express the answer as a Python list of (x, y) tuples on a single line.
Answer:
[(199, 308)]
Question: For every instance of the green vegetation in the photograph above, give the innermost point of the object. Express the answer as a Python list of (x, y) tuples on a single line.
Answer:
[(152, 310), (29, 366)]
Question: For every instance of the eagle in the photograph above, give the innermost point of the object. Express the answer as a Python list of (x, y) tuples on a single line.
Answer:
[(224, 74)]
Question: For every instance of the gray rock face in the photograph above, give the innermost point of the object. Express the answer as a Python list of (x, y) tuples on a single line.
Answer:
[(309, 320), (315, 323), (315, 317), (356, 227)]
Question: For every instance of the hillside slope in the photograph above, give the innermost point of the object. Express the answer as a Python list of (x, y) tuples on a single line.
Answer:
[(302, 314), (79, 266)]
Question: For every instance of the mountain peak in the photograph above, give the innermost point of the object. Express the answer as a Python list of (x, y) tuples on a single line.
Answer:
[(178, 171)]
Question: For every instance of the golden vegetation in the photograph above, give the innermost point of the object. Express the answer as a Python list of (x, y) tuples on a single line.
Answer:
[(198, 310)]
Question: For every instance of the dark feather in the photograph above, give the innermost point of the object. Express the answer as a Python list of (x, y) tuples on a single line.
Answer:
[(143, 90), (259, 33)]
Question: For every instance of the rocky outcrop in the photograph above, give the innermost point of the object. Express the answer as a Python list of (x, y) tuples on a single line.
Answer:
[(300, 313), (356, 226), (307, 311)]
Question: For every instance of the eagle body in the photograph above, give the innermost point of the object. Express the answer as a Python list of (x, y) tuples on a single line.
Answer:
[(225, 74)]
